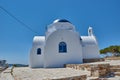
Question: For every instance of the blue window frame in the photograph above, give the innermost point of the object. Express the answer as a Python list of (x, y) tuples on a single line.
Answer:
[(39, 51), (62, 47)]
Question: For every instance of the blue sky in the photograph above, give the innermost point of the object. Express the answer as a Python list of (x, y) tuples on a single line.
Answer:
[(16, 40)]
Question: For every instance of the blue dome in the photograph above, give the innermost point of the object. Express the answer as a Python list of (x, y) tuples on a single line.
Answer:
[(61, 20)]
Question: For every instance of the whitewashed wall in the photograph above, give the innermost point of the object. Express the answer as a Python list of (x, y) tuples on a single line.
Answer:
[(52, 57), (90, 47), (37, 60)]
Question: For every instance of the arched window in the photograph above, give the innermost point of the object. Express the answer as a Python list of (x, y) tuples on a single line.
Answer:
[(39, 51), (62, 47)]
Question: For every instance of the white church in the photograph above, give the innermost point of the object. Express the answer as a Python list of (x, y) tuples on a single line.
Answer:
[(61, 45)]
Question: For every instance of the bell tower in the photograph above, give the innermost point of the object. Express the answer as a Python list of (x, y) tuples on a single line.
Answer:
[(90, 31)]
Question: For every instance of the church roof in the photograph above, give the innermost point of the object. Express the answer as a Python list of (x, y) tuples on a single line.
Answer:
[(60, 24), (61, 20), (38, 40), (88, 40)]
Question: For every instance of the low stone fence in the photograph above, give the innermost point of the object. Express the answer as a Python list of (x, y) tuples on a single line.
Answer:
[(112, 58), (96, 70), (79, 66), (93, 60)]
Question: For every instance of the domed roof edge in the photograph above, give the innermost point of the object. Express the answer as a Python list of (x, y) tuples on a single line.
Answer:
[(61, 20)]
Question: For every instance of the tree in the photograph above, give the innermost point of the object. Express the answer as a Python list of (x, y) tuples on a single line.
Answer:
[(115, 50), (14, 65)]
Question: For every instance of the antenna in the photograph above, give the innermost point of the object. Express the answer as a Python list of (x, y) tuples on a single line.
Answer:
[(18, 20)]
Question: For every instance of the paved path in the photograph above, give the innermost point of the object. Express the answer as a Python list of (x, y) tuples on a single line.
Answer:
[(26, 73), (41, 73)]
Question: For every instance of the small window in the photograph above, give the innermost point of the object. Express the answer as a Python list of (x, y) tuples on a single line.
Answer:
[(39, 51), (62, 47)]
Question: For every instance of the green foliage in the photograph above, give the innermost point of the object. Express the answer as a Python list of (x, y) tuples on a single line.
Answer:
[(19, 65), (14, 65), (111, 49)]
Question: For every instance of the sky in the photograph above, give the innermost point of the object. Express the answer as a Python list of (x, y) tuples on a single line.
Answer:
[(16, 40)]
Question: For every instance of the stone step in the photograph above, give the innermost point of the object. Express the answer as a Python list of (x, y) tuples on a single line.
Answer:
[(115, 69), (114, 66), (93, 78), (117, 73)]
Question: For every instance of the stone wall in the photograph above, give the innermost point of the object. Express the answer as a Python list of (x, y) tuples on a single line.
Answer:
[(112, 58), (79, 66), (100, 70), (93, 60), (96, 70)]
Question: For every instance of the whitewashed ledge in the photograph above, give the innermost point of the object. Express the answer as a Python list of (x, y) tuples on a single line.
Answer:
[(26, 73)]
